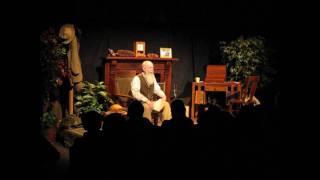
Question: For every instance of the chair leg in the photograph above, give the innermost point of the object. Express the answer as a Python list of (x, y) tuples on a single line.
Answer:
[(155, 118)]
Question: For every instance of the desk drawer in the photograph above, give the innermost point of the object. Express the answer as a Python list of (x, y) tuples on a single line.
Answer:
[(216, 88)]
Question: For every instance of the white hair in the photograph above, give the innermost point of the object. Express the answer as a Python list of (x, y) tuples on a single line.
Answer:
[(146, 63)]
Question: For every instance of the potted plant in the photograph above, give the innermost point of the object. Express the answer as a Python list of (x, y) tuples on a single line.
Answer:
[(49, 125), (246, 56), (92, 97)]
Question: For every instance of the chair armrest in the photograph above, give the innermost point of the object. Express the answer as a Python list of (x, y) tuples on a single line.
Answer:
[(123, 95)]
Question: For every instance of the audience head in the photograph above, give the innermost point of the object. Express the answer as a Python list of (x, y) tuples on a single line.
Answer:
[(91, 121), (114, 121), (135, 109), (177, 108)]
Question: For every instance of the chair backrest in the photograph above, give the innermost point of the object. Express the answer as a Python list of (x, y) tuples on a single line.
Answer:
[(216, 73), (249, 88), (123, 82), (162, 86), (121, 94)]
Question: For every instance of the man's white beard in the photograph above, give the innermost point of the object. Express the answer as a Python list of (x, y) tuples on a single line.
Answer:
[(149, 77)]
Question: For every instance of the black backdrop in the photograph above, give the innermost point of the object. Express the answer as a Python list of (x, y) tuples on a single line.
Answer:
[(192, 29)]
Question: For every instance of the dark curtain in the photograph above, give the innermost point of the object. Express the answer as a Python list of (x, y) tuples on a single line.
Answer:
[(192, 48), (192, 30)]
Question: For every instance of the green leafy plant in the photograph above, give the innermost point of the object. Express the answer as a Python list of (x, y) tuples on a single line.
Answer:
[(93, 97), (49, 119), (245, 57)]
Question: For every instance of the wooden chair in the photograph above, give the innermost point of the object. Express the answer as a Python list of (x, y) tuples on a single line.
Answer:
[(216, 73), (246, 94), (123, 87), (215, 80)]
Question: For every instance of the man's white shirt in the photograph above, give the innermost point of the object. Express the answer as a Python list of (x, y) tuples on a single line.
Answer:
[(135, 89)]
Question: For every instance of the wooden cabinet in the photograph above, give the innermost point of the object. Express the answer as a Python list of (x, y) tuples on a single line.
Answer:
[(129, 66)]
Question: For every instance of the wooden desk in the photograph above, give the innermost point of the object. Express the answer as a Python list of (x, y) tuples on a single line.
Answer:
[(120, 66), (199, 93)]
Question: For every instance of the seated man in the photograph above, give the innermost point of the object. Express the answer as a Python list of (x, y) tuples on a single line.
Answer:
[(143, 88)]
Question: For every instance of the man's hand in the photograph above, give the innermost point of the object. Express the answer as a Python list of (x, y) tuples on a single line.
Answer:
[(150, 104)]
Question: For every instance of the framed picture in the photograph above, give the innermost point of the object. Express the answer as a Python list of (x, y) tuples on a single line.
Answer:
[(140, 48), (165, 53)]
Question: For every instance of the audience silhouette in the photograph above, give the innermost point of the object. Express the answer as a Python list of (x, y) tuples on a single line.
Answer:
[(219, 145)]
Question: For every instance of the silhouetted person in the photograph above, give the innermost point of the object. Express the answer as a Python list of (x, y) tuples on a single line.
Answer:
[(135, 116), (86, 151), (179, 141), (142, 138), (212, 131), (250, 140), (179, 119), (92, 122), (48, 157), (116, 149)]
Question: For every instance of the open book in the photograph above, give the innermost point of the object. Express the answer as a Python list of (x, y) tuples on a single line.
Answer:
[(158, 105)]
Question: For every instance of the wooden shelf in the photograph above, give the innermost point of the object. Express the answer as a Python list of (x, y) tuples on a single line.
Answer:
[(140, 58)]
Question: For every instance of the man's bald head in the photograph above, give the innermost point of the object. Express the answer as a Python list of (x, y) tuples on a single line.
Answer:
[(147, 67)]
